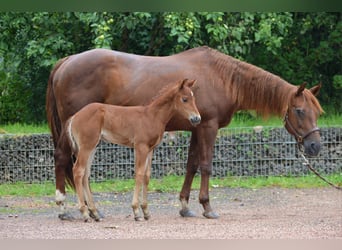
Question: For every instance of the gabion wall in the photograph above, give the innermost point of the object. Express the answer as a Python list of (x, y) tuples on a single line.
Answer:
[(238, 152)]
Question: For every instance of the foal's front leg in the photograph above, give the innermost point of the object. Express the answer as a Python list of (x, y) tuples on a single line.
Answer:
[(141, 160), (144, 205)]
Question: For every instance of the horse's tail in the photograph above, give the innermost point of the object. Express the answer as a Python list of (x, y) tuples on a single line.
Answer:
[(51, 107), (54, 121)]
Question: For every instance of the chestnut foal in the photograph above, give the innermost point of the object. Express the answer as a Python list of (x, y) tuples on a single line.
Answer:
[(140, 127)]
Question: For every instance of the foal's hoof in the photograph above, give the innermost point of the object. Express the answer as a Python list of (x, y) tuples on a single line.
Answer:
[(66, 216), (211, 215), (147, 217), (138, 218), (95, 215), (187, 213)]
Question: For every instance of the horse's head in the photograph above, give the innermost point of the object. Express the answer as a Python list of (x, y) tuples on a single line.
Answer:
[(185, 102), (301, 118)]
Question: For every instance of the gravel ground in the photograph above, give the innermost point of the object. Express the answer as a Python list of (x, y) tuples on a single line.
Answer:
[(269, 213)]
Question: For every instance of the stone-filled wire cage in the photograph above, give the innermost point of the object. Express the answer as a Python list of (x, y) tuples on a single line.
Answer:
[(257, 151)]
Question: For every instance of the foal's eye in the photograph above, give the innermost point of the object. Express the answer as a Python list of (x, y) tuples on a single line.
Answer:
[(184, 99)]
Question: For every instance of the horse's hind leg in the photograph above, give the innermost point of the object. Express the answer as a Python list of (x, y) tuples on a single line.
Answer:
[(62, 161), (144, 205)]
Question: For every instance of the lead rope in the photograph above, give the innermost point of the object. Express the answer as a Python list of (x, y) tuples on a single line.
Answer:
[(306, 163)]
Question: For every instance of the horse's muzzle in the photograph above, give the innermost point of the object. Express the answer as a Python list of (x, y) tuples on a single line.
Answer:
[(311, 147), (195, 120)]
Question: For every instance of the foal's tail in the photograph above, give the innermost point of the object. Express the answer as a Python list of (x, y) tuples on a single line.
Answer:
[(54, 121), (70, 137)]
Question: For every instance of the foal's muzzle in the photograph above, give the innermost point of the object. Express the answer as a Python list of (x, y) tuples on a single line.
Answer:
[(195, 119)]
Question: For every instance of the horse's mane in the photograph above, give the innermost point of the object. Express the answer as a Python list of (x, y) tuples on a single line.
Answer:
[(254, 88)]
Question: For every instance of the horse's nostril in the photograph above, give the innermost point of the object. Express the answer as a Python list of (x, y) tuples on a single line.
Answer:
[(313, 148), (315, 145)]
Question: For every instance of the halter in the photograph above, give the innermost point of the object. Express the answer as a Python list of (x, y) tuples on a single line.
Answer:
[(299, 138)]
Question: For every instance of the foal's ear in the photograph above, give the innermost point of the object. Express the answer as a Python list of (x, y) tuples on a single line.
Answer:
[(187, 83), (300, 89), (315, 89)]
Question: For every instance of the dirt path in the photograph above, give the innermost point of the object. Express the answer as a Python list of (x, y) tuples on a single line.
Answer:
[(244, 214)]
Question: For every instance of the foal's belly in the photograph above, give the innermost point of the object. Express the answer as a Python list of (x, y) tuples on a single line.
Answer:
[(116, 138)]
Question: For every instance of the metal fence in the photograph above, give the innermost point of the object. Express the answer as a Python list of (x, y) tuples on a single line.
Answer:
[(238, 152)]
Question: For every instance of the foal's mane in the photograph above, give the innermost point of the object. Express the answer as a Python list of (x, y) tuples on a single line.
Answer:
[(254, 88), (168, 92)]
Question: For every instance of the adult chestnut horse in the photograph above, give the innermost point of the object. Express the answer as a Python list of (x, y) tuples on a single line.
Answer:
[(138, 127), (224, 86)]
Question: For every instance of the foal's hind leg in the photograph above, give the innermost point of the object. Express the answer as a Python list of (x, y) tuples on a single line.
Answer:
[(79, 170), (87, 192)]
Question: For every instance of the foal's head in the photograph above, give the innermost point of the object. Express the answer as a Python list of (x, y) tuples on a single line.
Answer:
[(301, 118), (184, 101)]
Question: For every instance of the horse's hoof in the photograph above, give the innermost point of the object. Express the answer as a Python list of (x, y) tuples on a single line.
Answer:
[(66, 216), (138, 218), (147, 217), (211, 215), (187, 213)]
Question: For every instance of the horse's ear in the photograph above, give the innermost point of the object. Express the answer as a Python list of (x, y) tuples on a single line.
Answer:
[(315, 89), (301, 89)]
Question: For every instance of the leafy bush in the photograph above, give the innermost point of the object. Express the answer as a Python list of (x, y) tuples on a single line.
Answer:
[(296, 46)]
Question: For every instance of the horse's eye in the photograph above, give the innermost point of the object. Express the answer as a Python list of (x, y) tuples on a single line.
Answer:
[(184, 99), (300, 112)]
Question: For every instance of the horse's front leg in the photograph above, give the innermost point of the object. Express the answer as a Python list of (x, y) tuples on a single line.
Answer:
[(206, 138), (144, 205), (192, 166), (141, 159), (200, 156)]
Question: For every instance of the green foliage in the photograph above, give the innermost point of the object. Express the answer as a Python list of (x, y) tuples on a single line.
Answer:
[(337, 82), (296, 46)]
